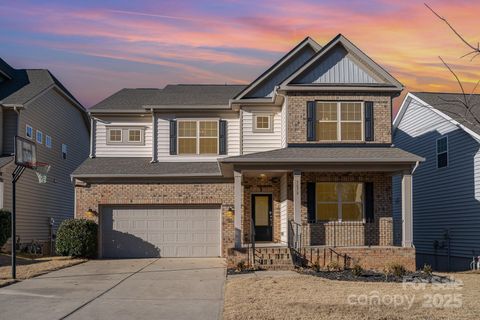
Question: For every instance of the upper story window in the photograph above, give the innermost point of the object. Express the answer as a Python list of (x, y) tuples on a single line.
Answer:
[(48, 141), (29, 132), (64, 151), (442, 152), (339, 201), (39, 137), (125, 135), (262, 122), (197, 137), (339, 121)]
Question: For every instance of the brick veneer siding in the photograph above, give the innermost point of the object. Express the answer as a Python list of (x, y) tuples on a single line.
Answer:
[(297, 114), (93, 196), (251, 186), (377, 232)]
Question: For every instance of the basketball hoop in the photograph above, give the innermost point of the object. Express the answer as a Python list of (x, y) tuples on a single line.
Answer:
[(41, 170)]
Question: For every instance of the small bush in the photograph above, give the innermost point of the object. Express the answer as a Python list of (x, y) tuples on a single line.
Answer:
[(241, 266), (427, 269), (334, 266), (395, 269), (316, 266), (357, 270), (77, 238), (5, 226)]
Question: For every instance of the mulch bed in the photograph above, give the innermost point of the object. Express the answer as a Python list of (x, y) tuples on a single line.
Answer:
[(372, 276)]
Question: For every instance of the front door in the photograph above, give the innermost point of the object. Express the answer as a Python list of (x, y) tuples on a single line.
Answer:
[(262, 216)]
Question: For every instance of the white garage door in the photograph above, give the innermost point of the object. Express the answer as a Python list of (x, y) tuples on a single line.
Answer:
[(138, 232)]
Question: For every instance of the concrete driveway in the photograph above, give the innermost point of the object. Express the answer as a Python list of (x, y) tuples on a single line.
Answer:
[(121, 289)]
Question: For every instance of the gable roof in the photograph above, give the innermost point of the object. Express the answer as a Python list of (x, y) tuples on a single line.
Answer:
[(388, 82), (447, 105), (180, 96), (285, 60)]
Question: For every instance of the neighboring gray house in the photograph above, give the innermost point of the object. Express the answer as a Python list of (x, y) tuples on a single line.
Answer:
[(36, 106), (446, 187)]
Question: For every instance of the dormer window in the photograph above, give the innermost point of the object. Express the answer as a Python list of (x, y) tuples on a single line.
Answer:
[(262, 122), (127, 135), (115, 135), (197, 137)]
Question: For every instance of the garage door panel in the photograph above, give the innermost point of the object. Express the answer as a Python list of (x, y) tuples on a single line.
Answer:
[(160, 231)]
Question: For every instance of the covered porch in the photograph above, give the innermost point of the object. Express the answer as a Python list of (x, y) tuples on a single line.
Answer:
[(305, 197)]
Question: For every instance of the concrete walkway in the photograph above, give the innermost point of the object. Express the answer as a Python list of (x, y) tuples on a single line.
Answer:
[(121, 289)]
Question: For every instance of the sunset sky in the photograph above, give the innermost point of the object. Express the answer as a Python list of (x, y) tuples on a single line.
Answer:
[(98, 47)]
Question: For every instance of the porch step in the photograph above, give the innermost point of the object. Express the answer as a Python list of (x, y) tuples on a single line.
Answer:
[(273, 258)]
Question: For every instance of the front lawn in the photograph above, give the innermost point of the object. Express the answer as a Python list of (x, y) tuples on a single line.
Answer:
[(296, 296)]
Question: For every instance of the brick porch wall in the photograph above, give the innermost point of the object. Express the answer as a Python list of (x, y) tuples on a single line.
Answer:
[(297, 114), (93, 196)]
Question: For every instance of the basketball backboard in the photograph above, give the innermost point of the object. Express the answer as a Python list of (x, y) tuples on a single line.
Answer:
[(25, 152)]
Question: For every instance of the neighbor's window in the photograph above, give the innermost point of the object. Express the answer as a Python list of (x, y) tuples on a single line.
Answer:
[(442, 152), (39, 137), (29, 132), (114, 135), (134, 135), (339, 201), (262, 123), (48, 141), (339, 121), (64, 151), (197, 137)]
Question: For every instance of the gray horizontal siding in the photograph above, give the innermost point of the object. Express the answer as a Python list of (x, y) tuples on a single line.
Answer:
[(443, 199), (56, 117)]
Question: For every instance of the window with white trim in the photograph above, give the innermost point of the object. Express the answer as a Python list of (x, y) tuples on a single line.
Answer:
[(29, 131), (197, 137), (340, 121), (39, 137), (48, 141), (442, 152), (64, 151), (135, 135), (115, 135), (262, 122), (339, 201), (126, 135)]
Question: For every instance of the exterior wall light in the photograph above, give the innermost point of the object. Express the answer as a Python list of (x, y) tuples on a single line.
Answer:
[(90, 213), (230, 212)]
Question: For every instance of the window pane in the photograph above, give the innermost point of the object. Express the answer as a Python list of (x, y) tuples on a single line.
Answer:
[(442, 145), (327, 211), (327, 191), (208, 129), (261, 210), (352, 192), (351, 130), (187, 145), (134, 136), (208, 145), (262, 122), (352, 211), (327, 131), (187, 128), (351, 111), (327, 111), (442, 160), (115, 135)]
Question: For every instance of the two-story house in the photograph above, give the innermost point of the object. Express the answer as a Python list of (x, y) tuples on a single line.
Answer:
[(302, 156), (446, 189), (36, 106)]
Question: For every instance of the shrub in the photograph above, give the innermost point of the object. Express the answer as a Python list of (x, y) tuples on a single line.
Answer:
[(334, 266), (357, 270), (241, 266), (395, 269), (316, 266), (427, 269), (5, 226), (77, 238)]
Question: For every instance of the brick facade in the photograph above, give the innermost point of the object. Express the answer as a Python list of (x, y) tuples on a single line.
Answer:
[(297, 114), (93, 196)]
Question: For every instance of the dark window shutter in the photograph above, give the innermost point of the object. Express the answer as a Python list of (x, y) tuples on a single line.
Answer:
[(369, 211), (222, 137), (173, 137), (311, 201), (369, 121), (311, 121)]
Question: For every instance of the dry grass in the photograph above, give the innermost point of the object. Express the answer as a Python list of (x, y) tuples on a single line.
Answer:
[(306, 297), (29, 268)]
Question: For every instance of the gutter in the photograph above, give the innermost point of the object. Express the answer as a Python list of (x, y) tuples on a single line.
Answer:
[(123, 175)]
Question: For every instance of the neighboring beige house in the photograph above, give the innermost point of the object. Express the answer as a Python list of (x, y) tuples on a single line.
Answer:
[(36, 106), (300, 160)]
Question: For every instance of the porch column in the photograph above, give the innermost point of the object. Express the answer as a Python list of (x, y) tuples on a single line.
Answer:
[(237, 222), (407, 208), (297, 197)]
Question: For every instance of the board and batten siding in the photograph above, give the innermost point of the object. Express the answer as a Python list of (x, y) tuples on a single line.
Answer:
[(9, 130), (55, 116), (261, 141), (103, 149), (443, 198), (284, 208), (284, 123), (163, 138)]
